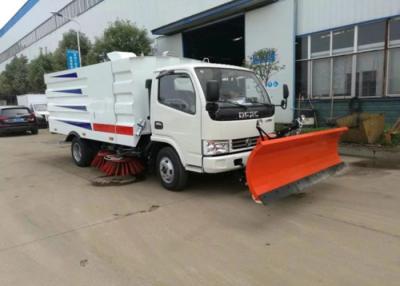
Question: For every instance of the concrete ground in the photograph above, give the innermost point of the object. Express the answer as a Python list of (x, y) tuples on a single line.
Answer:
[(58, 229)]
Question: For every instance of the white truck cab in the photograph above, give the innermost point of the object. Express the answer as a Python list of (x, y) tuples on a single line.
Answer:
[(210, 135), (180, 114)]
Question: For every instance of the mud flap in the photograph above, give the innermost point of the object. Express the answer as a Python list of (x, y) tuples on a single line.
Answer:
[(281, 167)]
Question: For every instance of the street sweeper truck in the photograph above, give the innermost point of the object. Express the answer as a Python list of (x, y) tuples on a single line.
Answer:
[(176, 116)]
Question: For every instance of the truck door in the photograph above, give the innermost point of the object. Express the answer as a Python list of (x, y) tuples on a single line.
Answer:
[(101, 101), (176, 116)]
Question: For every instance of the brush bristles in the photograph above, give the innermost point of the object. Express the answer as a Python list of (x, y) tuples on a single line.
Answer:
[(119, 166), (99, 159)]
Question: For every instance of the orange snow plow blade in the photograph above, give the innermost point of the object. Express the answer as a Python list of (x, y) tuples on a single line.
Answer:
[(280, 167)]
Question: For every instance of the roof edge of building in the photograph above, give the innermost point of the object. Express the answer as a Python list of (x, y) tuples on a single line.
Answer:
[(225, 10), (29, 4)]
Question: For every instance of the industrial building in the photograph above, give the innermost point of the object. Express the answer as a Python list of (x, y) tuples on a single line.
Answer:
[(338, 55)]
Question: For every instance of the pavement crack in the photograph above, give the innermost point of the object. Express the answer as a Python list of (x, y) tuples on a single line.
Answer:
[(151, 209), (360, 226), (115, 217)]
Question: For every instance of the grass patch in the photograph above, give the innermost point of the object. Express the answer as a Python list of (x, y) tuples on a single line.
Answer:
[(395, 141)]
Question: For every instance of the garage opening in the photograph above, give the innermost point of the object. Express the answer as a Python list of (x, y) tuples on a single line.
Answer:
[(221, 42)]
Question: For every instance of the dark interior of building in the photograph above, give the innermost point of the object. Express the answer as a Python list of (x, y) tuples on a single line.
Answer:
[(221, 42)]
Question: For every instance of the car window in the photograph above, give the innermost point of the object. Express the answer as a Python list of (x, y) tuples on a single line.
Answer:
[(177, 91), (12, 112)]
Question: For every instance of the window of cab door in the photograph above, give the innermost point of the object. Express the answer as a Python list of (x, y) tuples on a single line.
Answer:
[(177, 91)]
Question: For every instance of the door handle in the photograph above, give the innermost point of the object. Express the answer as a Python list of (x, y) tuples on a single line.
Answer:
[(158, 125)]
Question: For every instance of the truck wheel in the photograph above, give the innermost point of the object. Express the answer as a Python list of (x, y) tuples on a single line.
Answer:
[(172, 174), (81, 152)]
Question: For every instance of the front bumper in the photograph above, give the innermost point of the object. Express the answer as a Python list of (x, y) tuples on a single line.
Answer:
[(225, 163), (17, 128), (42, 122)]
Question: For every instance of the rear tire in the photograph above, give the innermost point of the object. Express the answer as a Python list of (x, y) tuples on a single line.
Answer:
[(82, 152), (170, 170), (34, 131)]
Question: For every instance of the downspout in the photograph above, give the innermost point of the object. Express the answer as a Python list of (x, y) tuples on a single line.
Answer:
[(295, 17)]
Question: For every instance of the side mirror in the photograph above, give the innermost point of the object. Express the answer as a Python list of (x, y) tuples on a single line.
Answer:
[(285, 96), (148, 84), (212, 94), (285, 91)]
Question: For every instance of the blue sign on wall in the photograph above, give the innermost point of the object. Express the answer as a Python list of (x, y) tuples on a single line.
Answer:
[(268, 58), (273, 84), (72, 59)]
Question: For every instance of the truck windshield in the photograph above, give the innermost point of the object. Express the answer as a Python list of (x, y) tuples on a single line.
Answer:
[(236, 86), (40, 107)]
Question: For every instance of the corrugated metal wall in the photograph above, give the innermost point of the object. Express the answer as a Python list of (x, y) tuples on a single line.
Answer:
[(317, 15)]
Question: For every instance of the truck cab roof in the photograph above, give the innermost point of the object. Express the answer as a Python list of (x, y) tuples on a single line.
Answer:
[(11, 106), (199, 64)]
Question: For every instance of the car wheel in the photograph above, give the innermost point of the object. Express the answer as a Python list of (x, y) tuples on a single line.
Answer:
[(34, 131), (170, 170), (81, 152)]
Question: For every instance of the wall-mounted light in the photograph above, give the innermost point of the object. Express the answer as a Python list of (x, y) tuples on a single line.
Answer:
[(237, 39)]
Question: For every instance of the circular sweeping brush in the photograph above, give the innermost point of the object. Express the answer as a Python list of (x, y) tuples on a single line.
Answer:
[(99, 159), (121, 166)]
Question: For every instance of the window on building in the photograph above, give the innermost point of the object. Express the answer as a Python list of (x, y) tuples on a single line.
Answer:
[(176, 91), (320, 44), (302, 48), (302, 79), (336, 68), (394, 72), (369, 76), (342, 76), (394, 32), (343, 41), (321, 78), (371, 35)]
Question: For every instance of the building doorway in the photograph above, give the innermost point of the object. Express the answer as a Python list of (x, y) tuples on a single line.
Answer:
[(222, 42)]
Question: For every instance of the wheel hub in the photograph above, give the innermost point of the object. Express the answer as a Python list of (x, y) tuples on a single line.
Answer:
[(77, 152), (167, 171)]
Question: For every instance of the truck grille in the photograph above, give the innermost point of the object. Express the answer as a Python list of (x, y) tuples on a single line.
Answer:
[(244, 143)]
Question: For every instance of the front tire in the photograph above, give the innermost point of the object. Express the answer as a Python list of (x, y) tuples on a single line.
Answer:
[(82, 152), (170, 170)]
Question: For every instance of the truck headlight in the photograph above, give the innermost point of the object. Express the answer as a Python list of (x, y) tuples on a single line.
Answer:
[(215, 147)]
